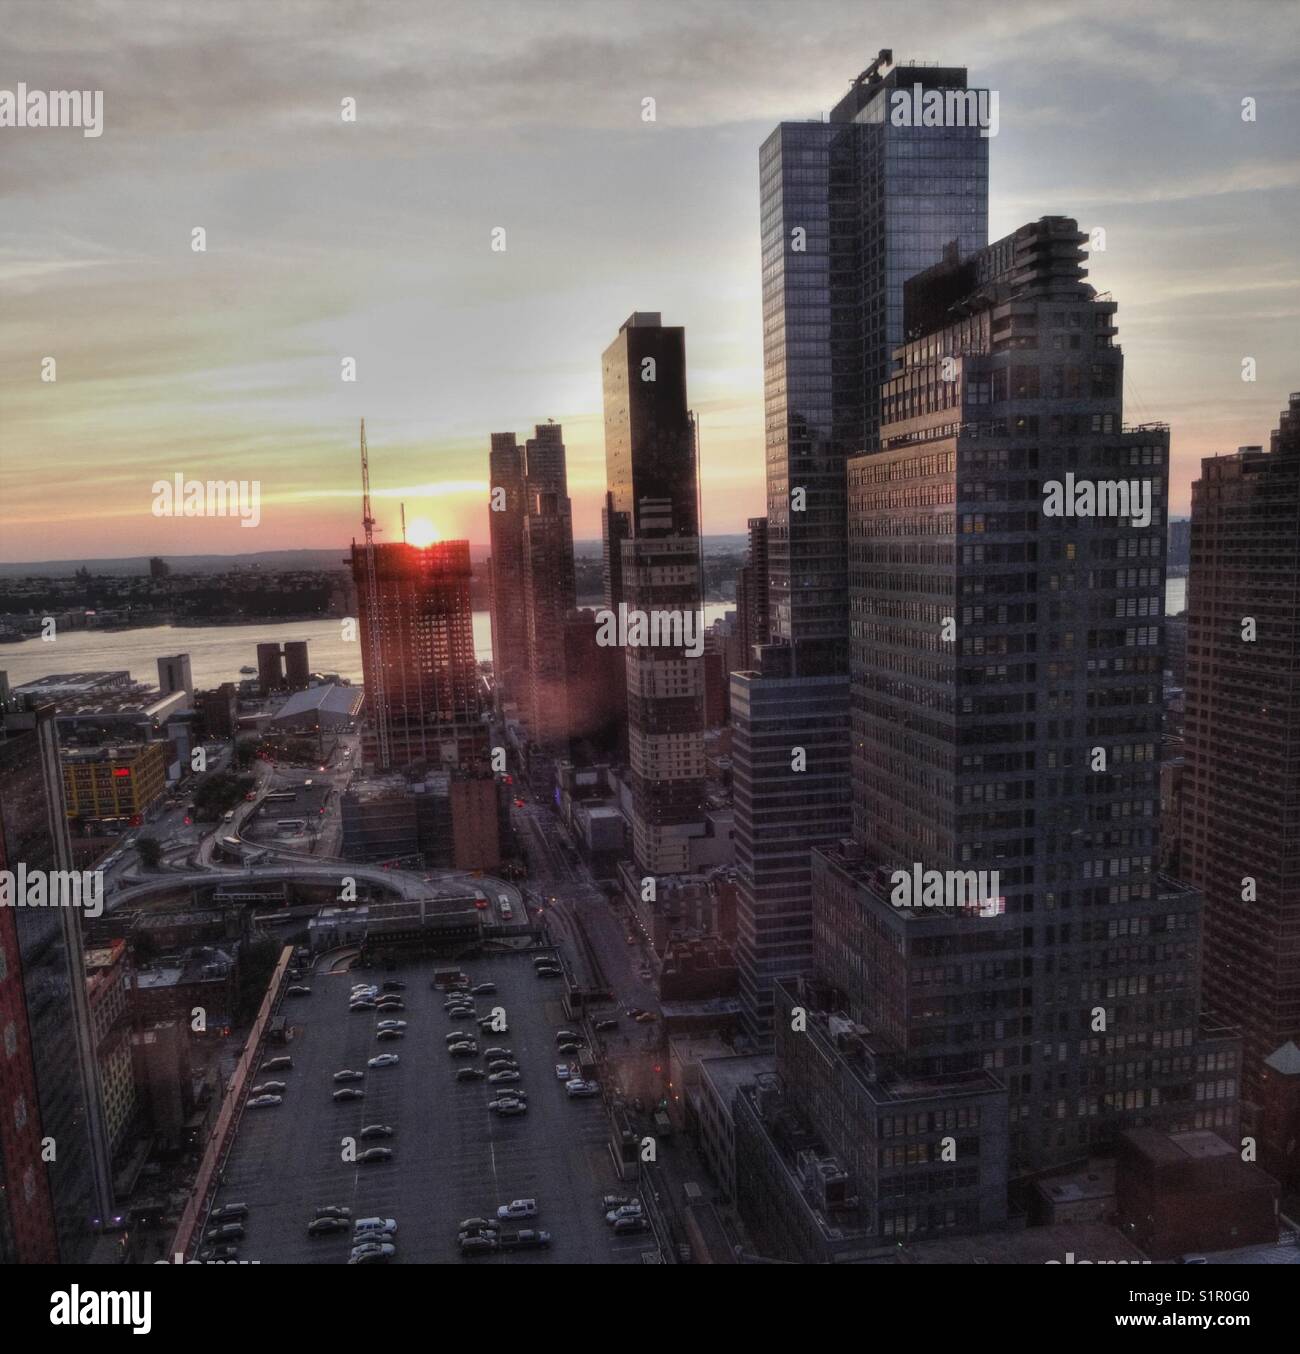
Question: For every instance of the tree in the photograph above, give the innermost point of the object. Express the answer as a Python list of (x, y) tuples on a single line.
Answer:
[(150, 851)]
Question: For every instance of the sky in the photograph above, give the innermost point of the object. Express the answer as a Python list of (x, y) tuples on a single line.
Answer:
[(372, 239)]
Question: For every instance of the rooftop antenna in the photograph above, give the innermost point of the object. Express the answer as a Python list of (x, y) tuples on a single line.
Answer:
[(403, 523), (376, 698)]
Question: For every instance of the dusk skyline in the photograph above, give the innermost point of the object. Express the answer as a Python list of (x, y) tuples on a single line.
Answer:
[(373, 240)]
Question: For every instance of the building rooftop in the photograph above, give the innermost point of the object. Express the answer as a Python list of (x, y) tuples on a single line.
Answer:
[(327, 699)]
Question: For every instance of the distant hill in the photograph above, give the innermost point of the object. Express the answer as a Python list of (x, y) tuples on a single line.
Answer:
[(271, 560)]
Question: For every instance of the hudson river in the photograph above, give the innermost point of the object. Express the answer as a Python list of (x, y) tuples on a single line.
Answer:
[(217, 652)]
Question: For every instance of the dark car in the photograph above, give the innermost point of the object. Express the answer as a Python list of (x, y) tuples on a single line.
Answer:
[(529, 1239), (219, 1253), (227, 1212), (297, 990), (228, 1231), (376, 1131), (483, 989), (387, 1036), (470, 1074), (324, 1226), (349, 1074), (481, 1244), (373, 1154), (349, 1093), (393, 985)]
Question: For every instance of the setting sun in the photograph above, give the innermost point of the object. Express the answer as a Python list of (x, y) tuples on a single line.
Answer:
[(421, 532)]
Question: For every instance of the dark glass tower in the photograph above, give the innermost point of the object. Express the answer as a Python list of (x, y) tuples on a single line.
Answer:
[(850, 208), (652, 530), (1241, 785), (508, 505)]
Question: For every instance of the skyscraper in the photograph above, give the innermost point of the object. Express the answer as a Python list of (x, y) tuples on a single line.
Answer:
[(1007, 558), (508, 505), (50, 1203), (548, 598), (652, 533), (1241, 781), (430, 675), (850, 208)]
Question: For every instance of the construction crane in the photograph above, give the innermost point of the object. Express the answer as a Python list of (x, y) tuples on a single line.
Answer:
[(376, 697)]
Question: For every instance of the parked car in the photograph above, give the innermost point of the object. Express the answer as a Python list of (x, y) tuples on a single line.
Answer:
[(376, 1131), (390, 1024), (383, 1060), (518, 1208), (387, 1036), (631, 1224), (349, 1074), (617, 1201), (563, 1072), (483, 989), (332, 1211), (324, 1226), (503, 1065), (378, 1254), (632, 1209), (496, 1051), (228, 1211), (393, 985), (365, 1004), (278, 1064), (268, 1088), (261, 1102), (470, 1074), (467, 1048), (376, 1225), (507, 1108), (373, 1154), (476, 1225), (211, 1253), (499, 1078), (567, 1036), (478, 1245), (227, 1231), (578, 1088), (528, 1239), (569, 1048), (458, 1037), (298, 990), (607, 1024), (349, 1093)]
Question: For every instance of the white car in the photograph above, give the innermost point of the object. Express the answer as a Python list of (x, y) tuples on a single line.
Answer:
[(563, 1072), (390, 1025), (375, 1225), (497, 1078), (578, 1088), (383, 1060), (265, 1101), (518, 1208)]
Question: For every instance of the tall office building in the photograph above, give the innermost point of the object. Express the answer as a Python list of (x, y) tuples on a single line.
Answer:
[(652, 531), (1007, 585), (508, 505), (50, 1204), (270, 668), (751, 594), (850, 208), (549, 597), (430, 688), (1241, 779), (174, 674), (297, 665)]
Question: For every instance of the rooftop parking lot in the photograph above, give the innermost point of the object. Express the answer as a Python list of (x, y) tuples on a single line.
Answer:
[(452, 1157)]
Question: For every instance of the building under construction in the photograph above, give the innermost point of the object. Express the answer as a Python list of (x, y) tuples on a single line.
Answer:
[(421, 680)]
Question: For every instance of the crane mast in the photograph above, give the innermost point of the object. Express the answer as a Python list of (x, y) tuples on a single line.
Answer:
[(376, 698)]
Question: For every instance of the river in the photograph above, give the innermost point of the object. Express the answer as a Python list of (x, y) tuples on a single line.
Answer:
[(217, 652)]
